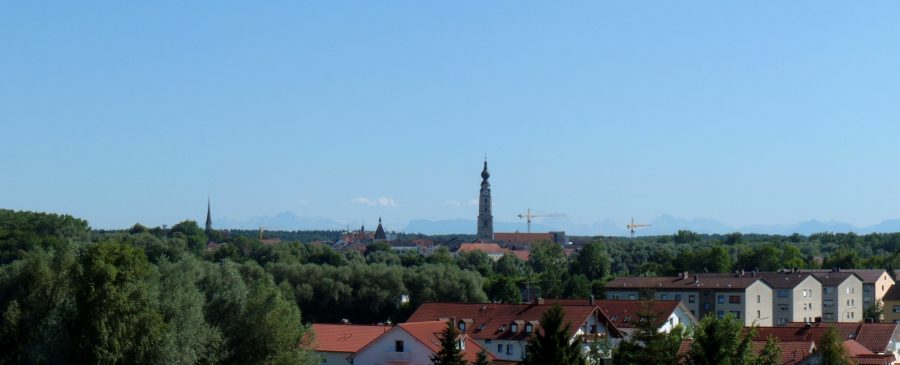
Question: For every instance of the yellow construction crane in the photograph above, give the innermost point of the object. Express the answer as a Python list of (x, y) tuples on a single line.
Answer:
[(631, 227), (529, 217)]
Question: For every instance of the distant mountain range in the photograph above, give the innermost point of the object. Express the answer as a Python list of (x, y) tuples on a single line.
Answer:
[(662, 225)]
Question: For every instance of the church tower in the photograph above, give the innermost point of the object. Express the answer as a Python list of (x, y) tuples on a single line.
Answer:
[(485, 219), (208, 217)]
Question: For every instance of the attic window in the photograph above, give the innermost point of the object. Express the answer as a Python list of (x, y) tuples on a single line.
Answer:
[(529, 328), (462, 326), (514, 328)]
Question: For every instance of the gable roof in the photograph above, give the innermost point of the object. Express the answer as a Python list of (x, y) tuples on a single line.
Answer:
[(428, 333), (792, 352), (488, 248), (624, 313), (868, 276), (874, 336), (834, 278), (785, 280), (893, 293), (695, 282), (344, 337), (493, 320)]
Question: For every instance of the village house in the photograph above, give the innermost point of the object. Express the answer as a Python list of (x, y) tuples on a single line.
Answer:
[(412, 343), (334, 343)]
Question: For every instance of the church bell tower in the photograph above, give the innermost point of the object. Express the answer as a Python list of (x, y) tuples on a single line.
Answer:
[(485, 219)]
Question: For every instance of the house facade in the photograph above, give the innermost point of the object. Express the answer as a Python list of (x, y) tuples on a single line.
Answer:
[(746, 296), (892, 305), (842, 296), (504, 329), (798, 296), (411, 343), (335, 343)]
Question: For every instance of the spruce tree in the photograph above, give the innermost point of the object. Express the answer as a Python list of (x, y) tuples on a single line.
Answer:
[(771, 353), (552, 344), (482, 358), (831, 349), (450, 353)]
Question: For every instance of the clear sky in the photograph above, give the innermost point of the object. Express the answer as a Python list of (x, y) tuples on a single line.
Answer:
[(747, 112)]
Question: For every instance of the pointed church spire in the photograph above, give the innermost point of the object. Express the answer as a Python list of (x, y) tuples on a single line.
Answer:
[(484, 173), (208, 216), (379, 232), (485, 218)]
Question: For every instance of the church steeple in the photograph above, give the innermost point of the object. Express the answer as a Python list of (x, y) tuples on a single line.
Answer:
[(485, 219), (379, 232), (208, 217)]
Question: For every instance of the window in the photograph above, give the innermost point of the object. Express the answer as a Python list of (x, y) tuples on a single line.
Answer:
[(805, 293), (782, 321), (691, 299), (758, 314), (849, 302), (758, 299), (528, 328), (828, 303), (460, 344), (499, 348), (615, 297), (462, 326), (721, 299), (664, 297), (514, 328), (706, 306), (850, 290), (734, 299), (737, 314), (632, 297), (829, 316), (593, 328), (509, 349), (677, 296), (829, 289), (782, 293), (782, 307), (398, 346), (897, 309), (720, 314)]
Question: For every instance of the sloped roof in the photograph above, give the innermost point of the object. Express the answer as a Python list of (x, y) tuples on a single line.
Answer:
[(690, 282), (624, 313), (834, 278), (344, 337), (874, 336), (785, 280), (522, 237), (868, 276), (488, 248), (429, 334), (492, 320), (893, 293), (792, 352), (854, 348)]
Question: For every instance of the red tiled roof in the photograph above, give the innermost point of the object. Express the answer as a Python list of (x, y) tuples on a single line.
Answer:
[(874, 336), (792, 352), (522, 237), (624, 313), (492, 320), (873, 359), (345, 337), (521, 254), (429, 334), (489, 248), (853, 348)]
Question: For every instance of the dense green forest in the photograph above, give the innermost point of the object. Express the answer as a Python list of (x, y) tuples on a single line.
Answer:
[(157, 295)]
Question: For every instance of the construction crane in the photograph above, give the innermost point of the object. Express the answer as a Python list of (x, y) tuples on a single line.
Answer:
[(530, 217), (631, 227)]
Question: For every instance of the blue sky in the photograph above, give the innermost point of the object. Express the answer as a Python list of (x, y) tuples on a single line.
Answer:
[(756, 112)]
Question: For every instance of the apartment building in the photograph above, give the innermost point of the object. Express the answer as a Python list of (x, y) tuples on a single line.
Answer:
[(842, 296), (892, 305), (746, 296), (798, 296)]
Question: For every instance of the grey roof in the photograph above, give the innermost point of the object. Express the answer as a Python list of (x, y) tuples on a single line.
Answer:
[(785, 280), (834, 278), (691, 282)]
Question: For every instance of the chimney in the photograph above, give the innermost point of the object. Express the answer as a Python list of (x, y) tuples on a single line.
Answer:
[(684, 275), (540, 300), (742, 272), (591, 300), (696, 278)]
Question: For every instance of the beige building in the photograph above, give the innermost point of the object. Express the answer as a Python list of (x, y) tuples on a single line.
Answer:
[(842, 296), (892, 305), (876, 283), (747, 297), (798, 296)]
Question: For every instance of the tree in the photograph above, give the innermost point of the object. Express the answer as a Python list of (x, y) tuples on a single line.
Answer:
[(771, 353), (482, 358), (719, 341), (552, 344), (509, 265), (592, 261), (503, 289), (831, 350), (450, 353), (875, 312), (117, 318), (647, 345)]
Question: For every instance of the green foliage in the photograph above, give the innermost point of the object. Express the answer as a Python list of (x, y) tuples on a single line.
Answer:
[(830, 349), (647, 345), (721, 341), (450, 354), (592, 261), (552, 344), (771, 353), (503, 289), (875, 312), (482, 358)]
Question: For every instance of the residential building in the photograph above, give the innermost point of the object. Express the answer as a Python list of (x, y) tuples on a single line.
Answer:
[(798, 296), (336, 342), (745, 296), (879, 338), (623, 314), (504, 329), (892, 305), (876, 283), (842, 294), (493, 250), (412, 343)]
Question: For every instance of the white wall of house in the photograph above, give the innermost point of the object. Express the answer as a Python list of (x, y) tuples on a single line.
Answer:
[(333, 358), (383, 351)]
